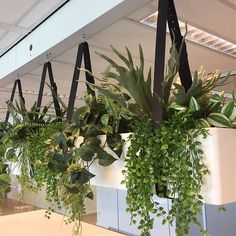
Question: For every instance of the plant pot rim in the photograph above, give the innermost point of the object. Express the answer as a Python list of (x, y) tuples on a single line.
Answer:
[(221, 128)]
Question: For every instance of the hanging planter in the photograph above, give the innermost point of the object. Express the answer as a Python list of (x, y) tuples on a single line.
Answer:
[(110, 176), (220, 157), (167, 153)]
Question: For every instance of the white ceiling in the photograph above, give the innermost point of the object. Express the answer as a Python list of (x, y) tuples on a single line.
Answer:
[(127, 32), (18, 18)]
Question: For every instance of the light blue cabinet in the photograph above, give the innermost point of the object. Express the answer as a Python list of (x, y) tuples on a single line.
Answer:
[(111, 214), (218, 223)]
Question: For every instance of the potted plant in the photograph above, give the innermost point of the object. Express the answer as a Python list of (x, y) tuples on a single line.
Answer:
[(56, 154), (170, 154), (164, 158), (74, 147)]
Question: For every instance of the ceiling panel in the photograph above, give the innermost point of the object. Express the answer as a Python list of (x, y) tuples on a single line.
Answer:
[(2, 32), (40, 11), (126, 33), (69, 56), (229, 3), (130, 34), (9, 39), (11, 10), (61, 71), (22, 16), (213, 16)]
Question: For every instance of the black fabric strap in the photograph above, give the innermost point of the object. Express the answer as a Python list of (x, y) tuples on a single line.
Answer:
[(16, 83), (48, 67), (83, 51), (159, 59), (177, 38), (167, 12)]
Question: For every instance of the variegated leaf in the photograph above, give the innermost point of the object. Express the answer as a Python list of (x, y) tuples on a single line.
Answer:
[(218, 120)]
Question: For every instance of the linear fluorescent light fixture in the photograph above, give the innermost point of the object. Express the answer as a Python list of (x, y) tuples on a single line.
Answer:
[(197, 36)]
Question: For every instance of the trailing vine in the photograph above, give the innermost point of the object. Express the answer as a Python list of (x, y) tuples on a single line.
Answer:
[(164, 159), (56, 155), (5, 180), (154, 159), (166, 156)]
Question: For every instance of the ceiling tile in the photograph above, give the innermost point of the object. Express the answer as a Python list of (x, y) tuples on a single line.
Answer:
[(229, 3), (39, 12), (11, 10), (2, 32), (141, 13), (8, 39)]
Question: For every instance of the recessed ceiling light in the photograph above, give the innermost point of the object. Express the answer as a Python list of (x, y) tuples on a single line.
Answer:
[(197, 36)]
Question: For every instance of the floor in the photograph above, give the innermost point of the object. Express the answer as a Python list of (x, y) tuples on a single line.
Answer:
[(9, 206)]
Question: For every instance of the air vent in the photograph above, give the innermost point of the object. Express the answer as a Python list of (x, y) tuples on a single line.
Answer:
[(198, 36)]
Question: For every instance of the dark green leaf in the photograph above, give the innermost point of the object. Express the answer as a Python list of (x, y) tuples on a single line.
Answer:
[(92, 141), (105, 159), (85, 152), (114, 141), (90, 195), (84, 176)]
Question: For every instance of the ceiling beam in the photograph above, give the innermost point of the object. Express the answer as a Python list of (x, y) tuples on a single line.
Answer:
[(63, 30)]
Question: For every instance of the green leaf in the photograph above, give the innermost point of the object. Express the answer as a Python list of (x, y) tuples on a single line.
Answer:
[(74, 188), (85, 176), (92, 141), (131, 79), (5, 178), (59, 162), (11, 155), (105, 119), (86, 153), (177, 107), (80, 113), (172, 68), (234, 96), (105, 159), (62, 140), (214, 107), (107, 129), (204, 123), (114, 142), (88, 99), (90, 195), (229, 110), (194, 105), (216, 98), (218, 120), (112, 95)]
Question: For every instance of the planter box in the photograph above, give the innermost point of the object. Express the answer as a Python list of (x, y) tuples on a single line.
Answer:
[(220, 157), (110, 176)]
